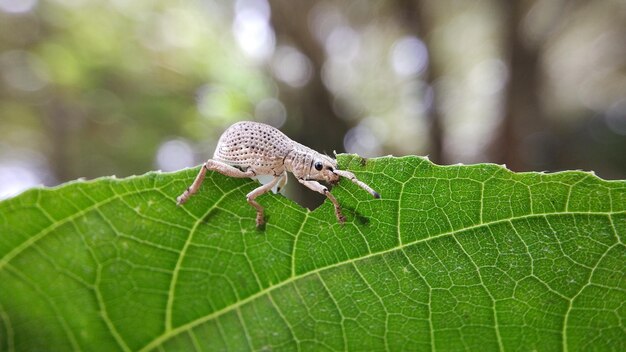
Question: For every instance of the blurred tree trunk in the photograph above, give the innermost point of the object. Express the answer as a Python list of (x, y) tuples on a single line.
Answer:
[(314, 122), (56, 118), (514, 144), (418, 23), (320, 127)]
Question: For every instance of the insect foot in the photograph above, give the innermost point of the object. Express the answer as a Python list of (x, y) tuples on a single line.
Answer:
[(256, 150)]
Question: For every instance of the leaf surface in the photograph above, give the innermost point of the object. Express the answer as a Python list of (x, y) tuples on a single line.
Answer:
[(456, 257)]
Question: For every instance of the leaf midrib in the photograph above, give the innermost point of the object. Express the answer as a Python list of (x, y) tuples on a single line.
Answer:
[(185, 327)]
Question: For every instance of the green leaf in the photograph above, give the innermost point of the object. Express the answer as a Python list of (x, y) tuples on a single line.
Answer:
[(455, 257)]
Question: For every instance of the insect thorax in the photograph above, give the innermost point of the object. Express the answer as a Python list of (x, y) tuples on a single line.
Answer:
[(300, 160)]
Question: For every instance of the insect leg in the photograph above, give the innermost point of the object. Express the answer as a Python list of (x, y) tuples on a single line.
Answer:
[(282, 182), (212, 165), (318, 187), (257, 192)]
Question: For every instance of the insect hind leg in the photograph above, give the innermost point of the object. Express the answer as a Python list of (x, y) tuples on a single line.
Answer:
[(260, 220), (212, 165)]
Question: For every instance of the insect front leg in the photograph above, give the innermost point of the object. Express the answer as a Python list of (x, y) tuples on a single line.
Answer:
[(283, 181), (318, 187), (257, 192), (212, 165)]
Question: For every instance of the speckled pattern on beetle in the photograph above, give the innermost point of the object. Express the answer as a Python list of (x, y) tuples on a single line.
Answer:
[(259, 151)]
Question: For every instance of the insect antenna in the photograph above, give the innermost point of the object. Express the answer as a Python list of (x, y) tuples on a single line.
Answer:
[(352, 177)]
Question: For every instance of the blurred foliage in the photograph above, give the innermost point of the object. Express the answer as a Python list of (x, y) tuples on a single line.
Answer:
[(100, 85), (91, 88)]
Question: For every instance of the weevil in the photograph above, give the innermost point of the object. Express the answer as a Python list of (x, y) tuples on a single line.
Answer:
[(256, 150)]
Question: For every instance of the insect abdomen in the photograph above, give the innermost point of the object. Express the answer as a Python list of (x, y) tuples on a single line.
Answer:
[(251, 144)]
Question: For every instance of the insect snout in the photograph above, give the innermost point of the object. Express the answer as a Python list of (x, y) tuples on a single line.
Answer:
[(333, 178)]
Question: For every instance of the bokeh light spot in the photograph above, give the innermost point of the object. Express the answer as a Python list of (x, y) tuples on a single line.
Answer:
[(17, 6), (23, 71), (271, 111), (252, 29), (488, 77), (343, 44), (174, 155), (616, 117), (292, 67), (362, 140), (15, 178), (409, 56)]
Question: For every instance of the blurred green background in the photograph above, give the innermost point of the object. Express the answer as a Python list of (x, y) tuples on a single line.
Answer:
[(94, 88)]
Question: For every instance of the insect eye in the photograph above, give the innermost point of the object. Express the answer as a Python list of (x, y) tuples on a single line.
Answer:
[(318, 165)]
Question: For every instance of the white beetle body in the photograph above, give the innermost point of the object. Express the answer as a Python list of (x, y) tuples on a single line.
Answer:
[(256, 150)]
